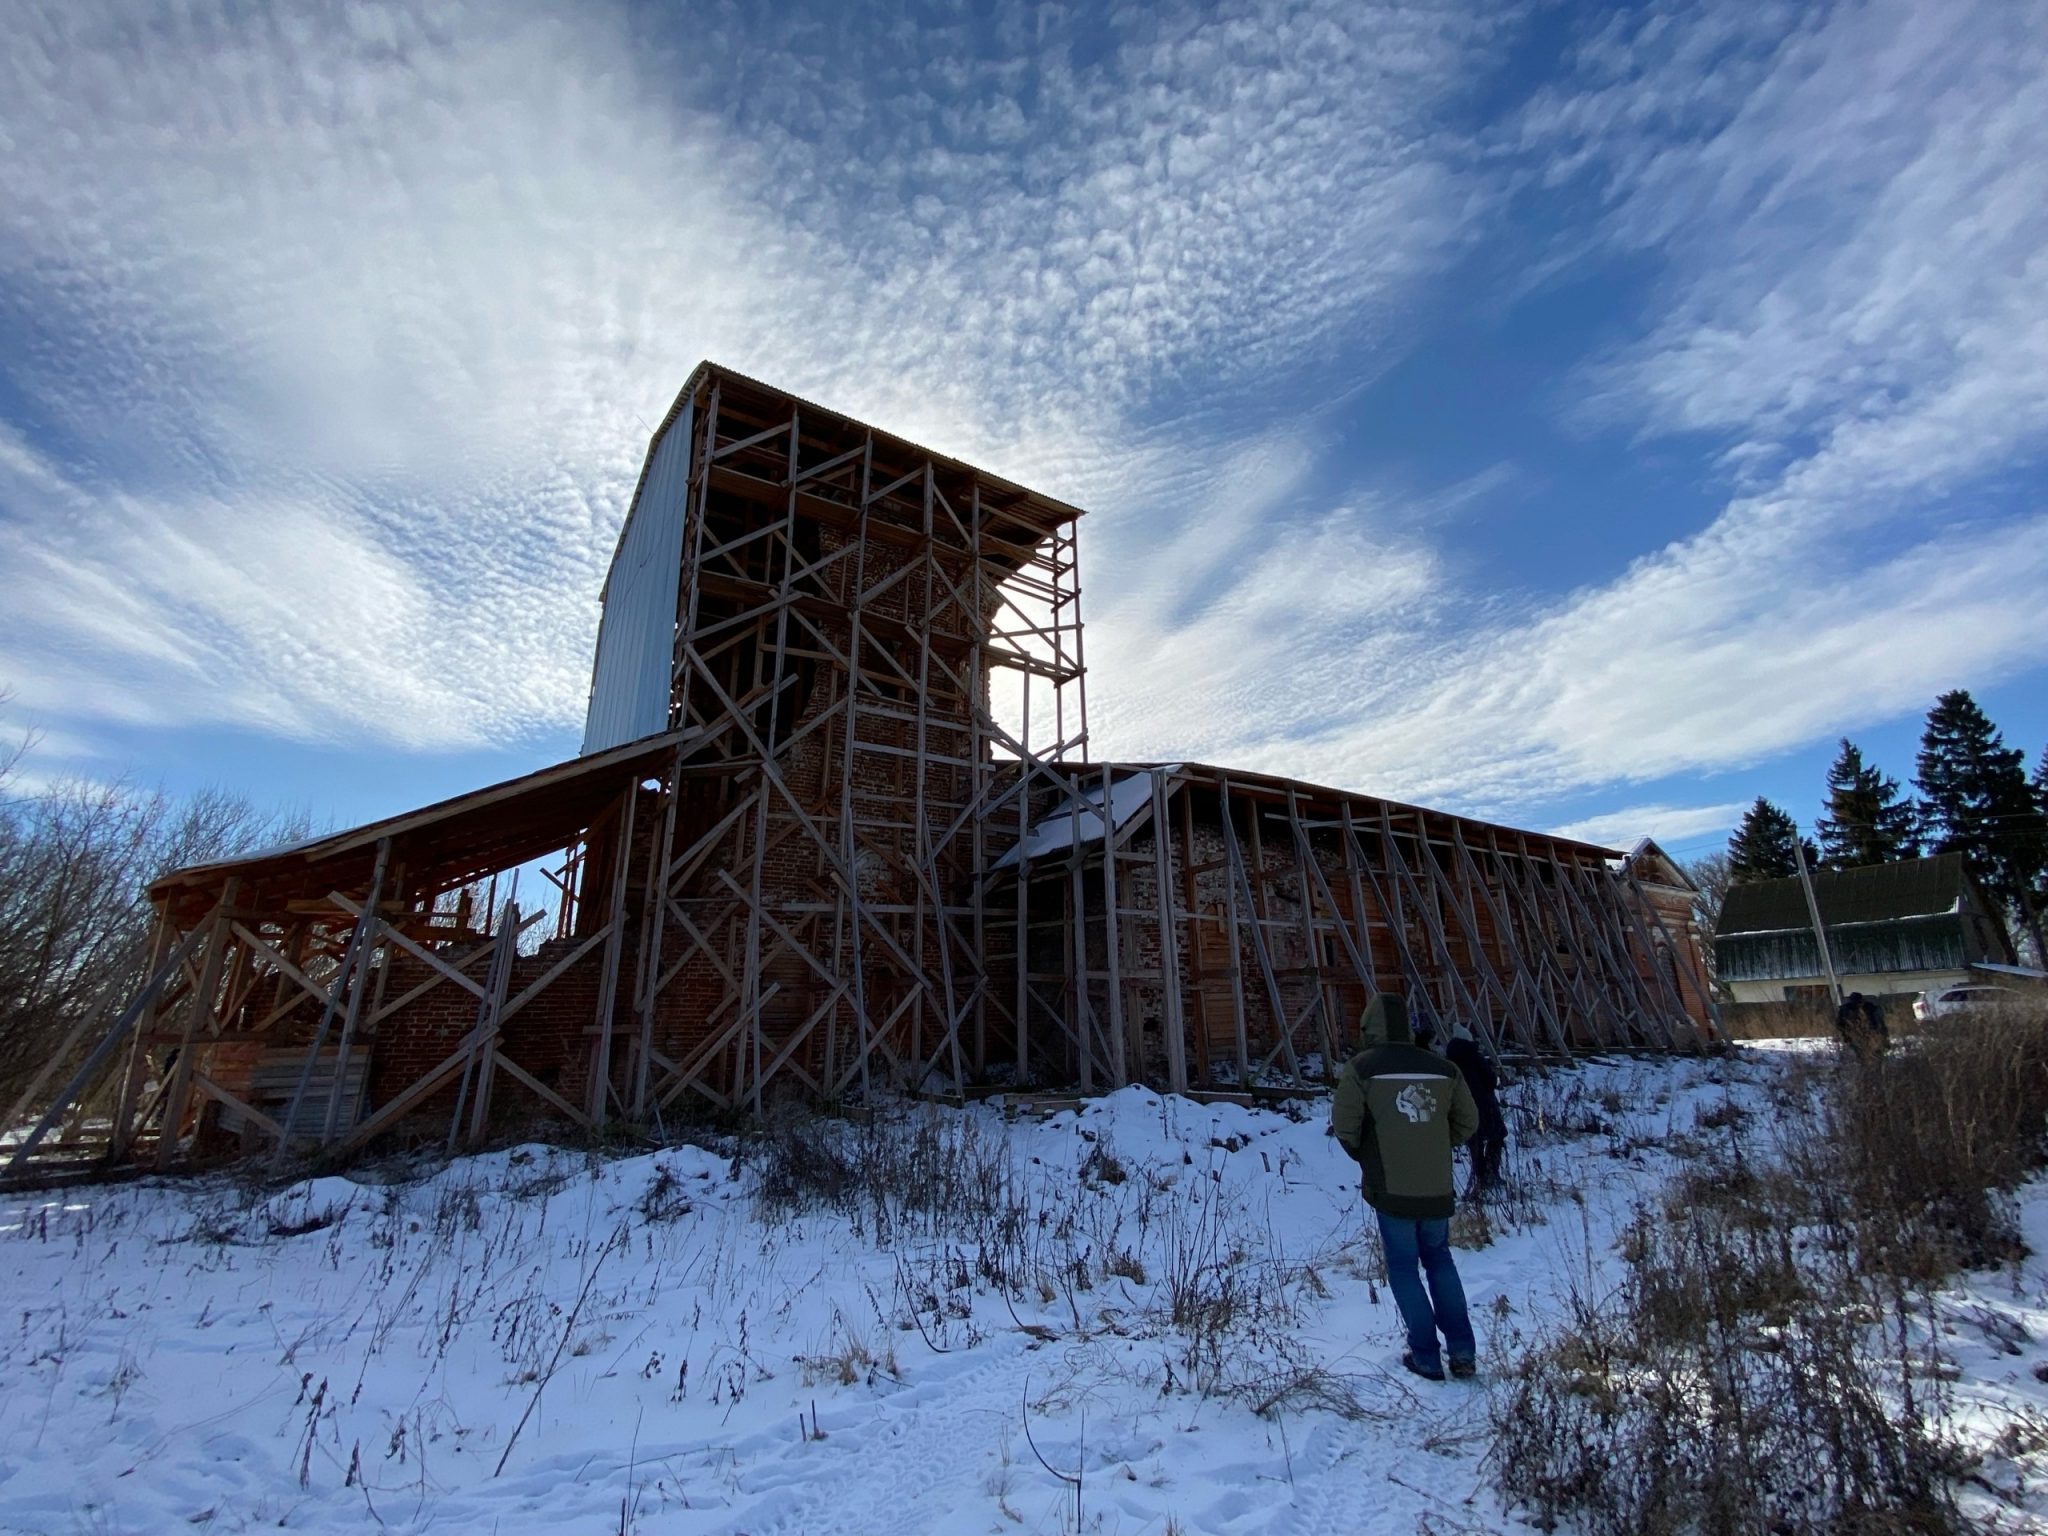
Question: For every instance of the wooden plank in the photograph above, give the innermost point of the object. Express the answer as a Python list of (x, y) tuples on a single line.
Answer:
[(286, 971), (88, 1019), (1621, 974), (474, 1098), (1608, 886), (1518, 879), (126, 1118), (1123, 1051), (1283, 1024), (654, 913), (1023, 939), (425, 957), (388, 1114), (1081, 1020), (690, 1068), (1189, 906), (1592, 1001), (200, 1008), (1432, 927), (1361, 962), (1258, 893), (90, 1068), (553, 973), (1172, 1022), (413, 994), (1389, 910), (534, 1085), (1504, 925), (1468, 926), (1244, 1066), (354, 1014), (608, 977), (213, 1090)]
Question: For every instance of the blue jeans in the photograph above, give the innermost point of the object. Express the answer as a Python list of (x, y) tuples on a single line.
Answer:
[(1415, 1249)]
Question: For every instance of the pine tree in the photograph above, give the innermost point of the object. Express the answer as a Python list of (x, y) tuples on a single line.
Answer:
[(1761, 848), (2040, 895), (1866, 821), (1979, 804)]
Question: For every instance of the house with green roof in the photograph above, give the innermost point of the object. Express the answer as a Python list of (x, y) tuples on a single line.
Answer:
[(1893, 929)]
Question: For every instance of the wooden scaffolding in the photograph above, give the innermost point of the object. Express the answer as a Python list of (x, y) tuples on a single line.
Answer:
[(1215, 926), (860, 845)]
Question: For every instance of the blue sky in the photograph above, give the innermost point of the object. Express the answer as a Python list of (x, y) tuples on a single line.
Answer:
[(1574, 417)]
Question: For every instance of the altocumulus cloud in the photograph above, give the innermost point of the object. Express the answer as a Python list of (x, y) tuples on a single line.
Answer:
[(352, 326), (1844, 204), (337, 338)]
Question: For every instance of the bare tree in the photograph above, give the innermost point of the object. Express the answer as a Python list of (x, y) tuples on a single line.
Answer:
[(1712, 874), (76, 859)]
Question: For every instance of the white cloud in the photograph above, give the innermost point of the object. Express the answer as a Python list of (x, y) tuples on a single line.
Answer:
[(1670, 825), (1846, 203), (356, 327), (359, 320)]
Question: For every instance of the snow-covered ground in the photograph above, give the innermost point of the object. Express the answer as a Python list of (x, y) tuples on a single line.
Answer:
[(537, 1340)]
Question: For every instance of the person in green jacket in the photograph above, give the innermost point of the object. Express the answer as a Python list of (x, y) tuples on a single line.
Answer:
[(1399, 1110)]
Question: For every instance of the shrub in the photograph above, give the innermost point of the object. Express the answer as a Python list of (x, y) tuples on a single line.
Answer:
[(924, 1176), (1727, 1390), (1755, 1370), (1932, 1137), (665, 1198)]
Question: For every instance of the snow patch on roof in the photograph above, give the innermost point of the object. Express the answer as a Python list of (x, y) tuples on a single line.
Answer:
[(1080, 821)]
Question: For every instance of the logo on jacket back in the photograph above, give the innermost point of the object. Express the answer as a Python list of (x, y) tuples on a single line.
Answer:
[(1416, 1102)]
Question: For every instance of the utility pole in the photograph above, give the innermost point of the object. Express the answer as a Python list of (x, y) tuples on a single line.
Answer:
[(1820, 933)]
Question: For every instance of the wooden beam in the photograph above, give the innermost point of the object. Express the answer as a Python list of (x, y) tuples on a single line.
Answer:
[(1390, 912), (426, 957), (216, 1092), (1189, 907), (1283, 1024), (364, 962), (1172, 1023), (90, 1068), (1080, 1016), (1122, 1051), (1503, 924), (608, 976), (490, 1020), (653, 923), (535, 1086), (1244, 1065), (126, 1118), (200, 1008), (1482, 964), (94, 1014)]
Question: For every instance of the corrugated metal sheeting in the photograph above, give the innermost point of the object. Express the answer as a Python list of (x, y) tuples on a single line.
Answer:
[(1870, 893), (1860, 949), (629, 685)]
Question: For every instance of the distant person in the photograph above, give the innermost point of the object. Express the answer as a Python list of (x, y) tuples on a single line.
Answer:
[(1464, 1053), (1860, 1024), (1399, 1110)]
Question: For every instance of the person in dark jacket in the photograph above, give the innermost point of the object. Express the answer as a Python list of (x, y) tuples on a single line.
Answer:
[(1860, 1023), (1491, 1139), (1399, 1110)]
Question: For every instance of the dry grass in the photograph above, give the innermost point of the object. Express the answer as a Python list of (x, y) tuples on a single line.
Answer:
[(1936, 1135), (1756, 1371)]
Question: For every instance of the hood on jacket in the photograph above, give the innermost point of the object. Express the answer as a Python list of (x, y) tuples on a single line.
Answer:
[(1385, 1021), (1460, 1032)]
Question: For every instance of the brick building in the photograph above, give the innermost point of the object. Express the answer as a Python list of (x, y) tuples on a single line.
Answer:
[(835, 826)]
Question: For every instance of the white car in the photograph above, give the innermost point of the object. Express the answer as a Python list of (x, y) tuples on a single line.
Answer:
[(1932, 1005)]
